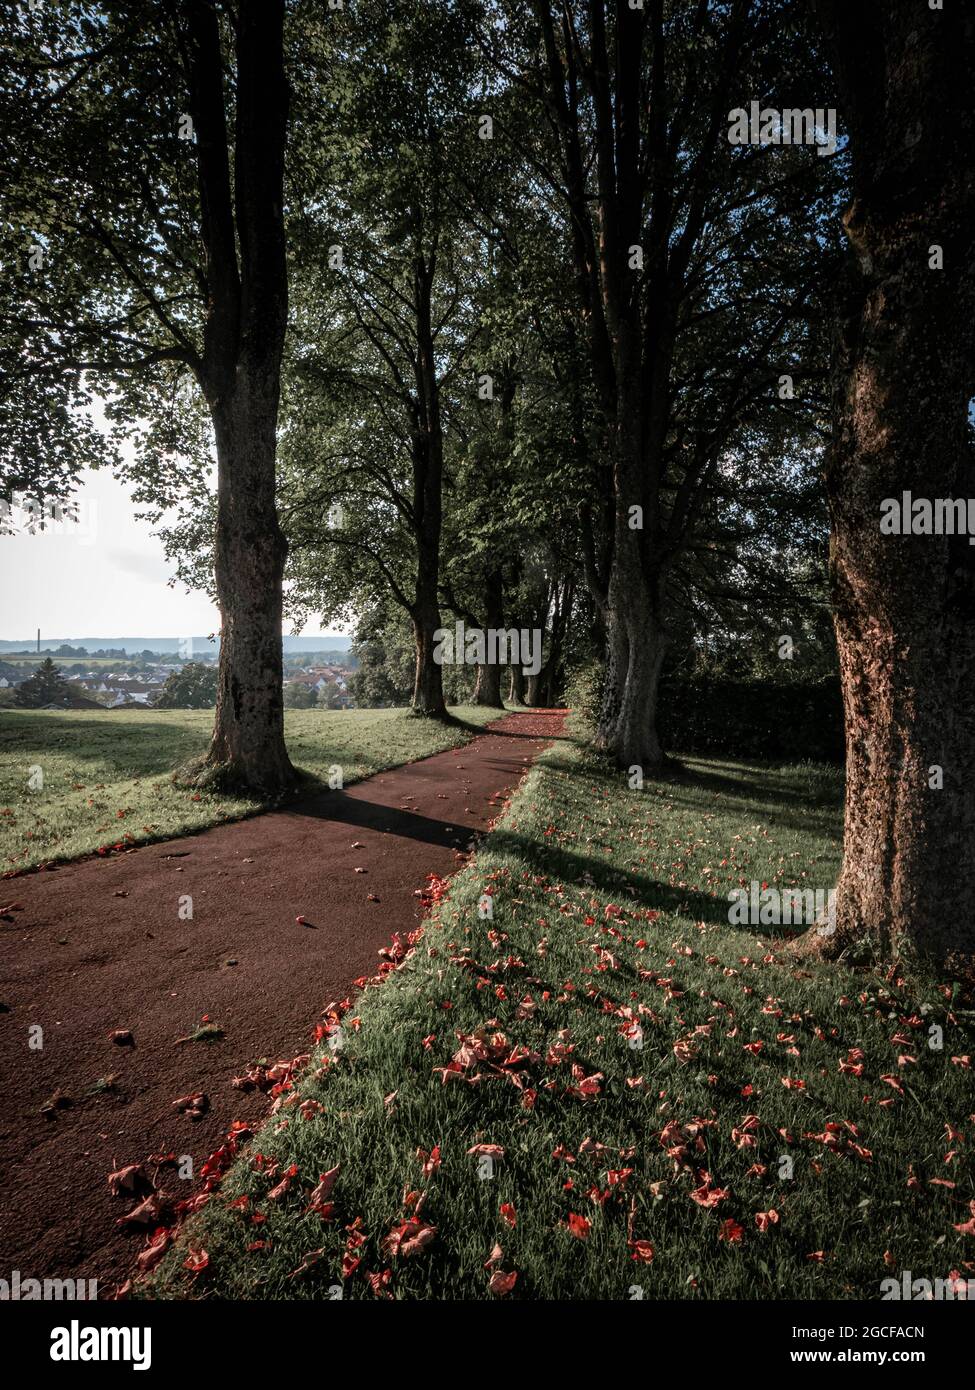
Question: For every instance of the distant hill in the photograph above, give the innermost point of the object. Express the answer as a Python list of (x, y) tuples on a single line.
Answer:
[(332, 642)]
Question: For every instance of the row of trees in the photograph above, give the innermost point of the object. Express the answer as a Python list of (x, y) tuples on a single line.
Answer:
[(558, 355)]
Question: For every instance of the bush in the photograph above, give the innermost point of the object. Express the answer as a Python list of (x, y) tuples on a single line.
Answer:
[(193, 686), (584, 692), (801, 722)]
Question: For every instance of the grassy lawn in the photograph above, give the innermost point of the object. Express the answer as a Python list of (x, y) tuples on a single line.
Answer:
[(106, 775), (807, 1096)]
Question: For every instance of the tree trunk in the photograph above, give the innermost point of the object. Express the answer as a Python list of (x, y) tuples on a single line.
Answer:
[(636, 636), (516, 687), (905, 603), (614, 677), (428, 678), (427, 500), (487, 690), (247, 750), (242, 226), (635, 653), (636, 742), (487, 687)]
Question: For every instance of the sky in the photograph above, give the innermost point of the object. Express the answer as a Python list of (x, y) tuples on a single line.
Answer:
[(104, 575)]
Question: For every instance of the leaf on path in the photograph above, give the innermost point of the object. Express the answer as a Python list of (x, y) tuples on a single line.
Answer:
[(147, 1213), (131, 1178), (60, 1100), (195, 1105)]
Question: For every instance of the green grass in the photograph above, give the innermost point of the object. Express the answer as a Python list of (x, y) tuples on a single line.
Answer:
[(606, 900), (106, 777)]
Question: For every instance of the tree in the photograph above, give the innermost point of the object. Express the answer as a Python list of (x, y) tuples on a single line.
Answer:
[(384, 675), (905, 603), (693, 270), (159, 260), (385, 654), (387, 283), (297, 695), (45, 687), (193, 686)]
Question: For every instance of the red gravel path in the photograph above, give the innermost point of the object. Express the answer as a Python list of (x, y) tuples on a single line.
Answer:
[(100, 945)]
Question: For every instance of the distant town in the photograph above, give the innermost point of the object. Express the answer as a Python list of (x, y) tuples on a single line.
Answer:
[(119, 677)]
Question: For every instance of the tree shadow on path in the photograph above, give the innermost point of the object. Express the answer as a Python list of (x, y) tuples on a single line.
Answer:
[(342, 809)]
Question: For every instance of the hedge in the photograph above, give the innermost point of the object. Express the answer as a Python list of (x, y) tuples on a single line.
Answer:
[(791, 722), (752, 719)]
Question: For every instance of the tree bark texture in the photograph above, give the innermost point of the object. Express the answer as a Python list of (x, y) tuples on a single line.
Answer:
[(903, 378)]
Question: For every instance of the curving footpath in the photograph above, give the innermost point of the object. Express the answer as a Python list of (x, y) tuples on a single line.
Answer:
[(104, 945)]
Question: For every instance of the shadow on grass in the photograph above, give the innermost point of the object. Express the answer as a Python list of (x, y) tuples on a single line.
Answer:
[(762, 782), (823, 822), (571, 867), (816, 810), (568, 866), (148, 748)]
